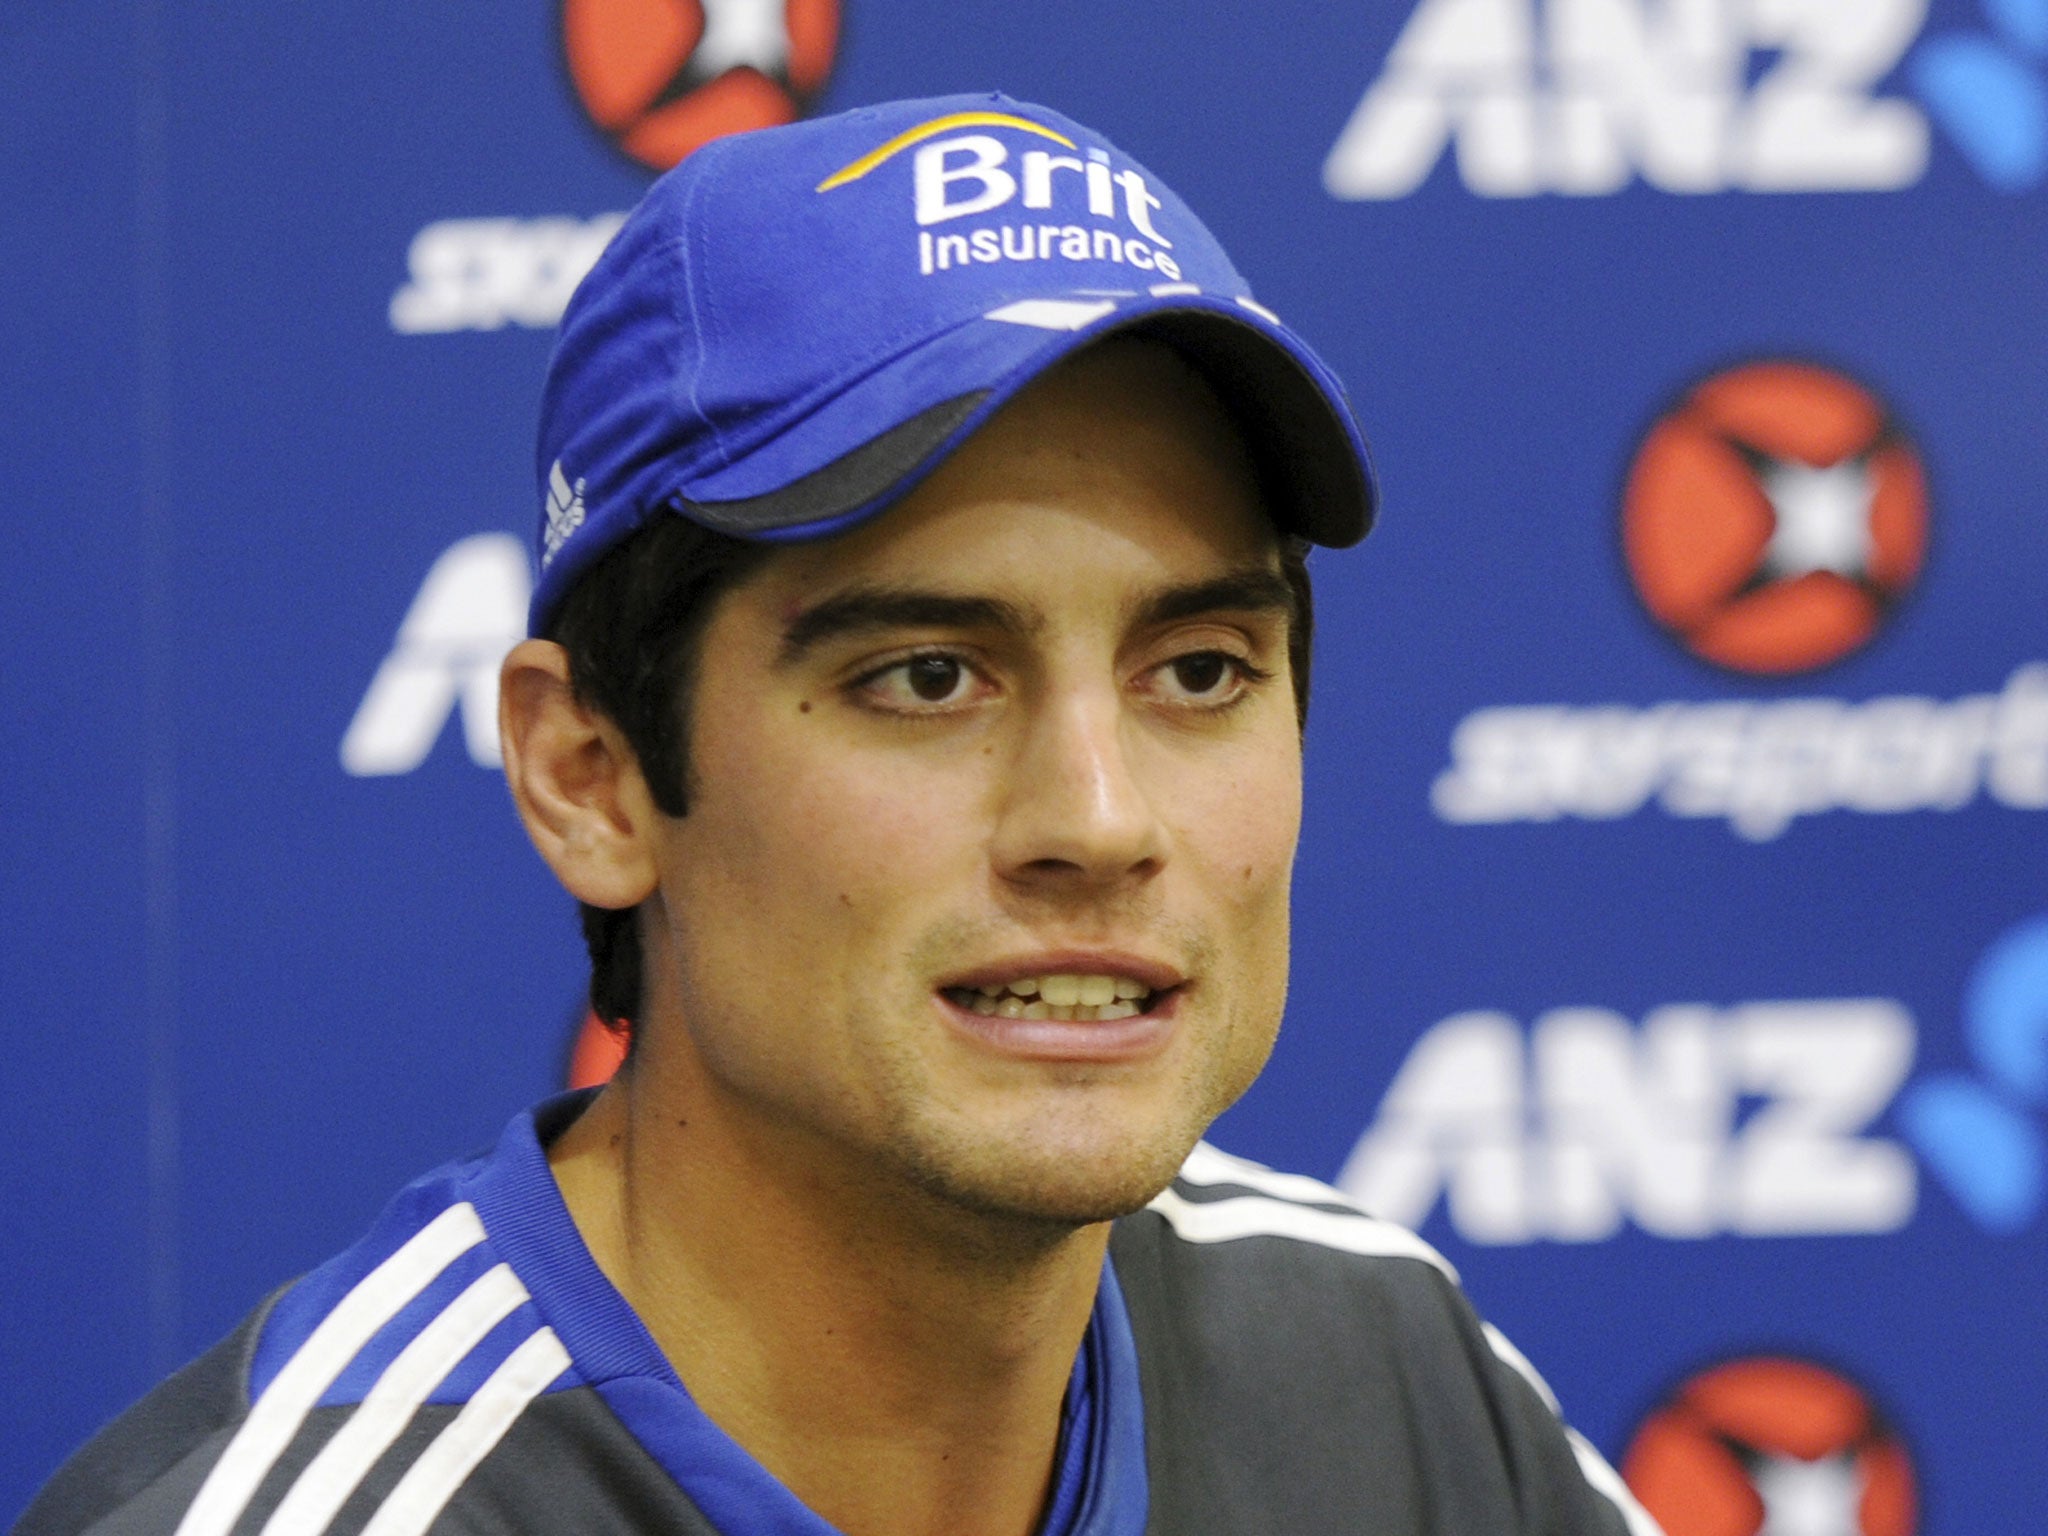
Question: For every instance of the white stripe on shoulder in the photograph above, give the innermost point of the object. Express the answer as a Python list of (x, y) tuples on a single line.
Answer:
[(1225, 1221), (316, 1498), (430, 1482), (1504, 1347), (1592, 1465), (1606, 1480), (1212, 1165), (277, 1414)]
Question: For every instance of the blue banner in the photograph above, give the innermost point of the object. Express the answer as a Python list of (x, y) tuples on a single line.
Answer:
[(1672, 908)]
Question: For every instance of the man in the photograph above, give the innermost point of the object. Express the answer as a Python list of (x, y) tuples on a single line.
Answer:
[(917, 719)]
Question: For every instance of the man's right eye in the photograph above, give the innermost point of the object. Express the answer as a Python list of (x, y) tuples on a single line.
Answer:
[(934, 678)]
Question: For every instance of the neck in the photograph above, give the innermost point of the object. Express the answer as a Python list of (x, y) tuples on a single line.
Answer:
[(896, 1362)]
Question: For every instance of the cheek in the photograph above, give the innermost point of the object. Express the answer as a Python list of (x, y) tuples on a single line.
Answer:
[(1266, 821), (799, 858), (1238, 832), (1242, 828), (802, 821), (878, 823)]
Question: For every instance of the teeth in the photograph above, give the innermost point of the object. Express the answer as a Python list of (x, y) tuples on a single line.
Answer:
[(1093, 990), (1063, 996), (1086, 1013)]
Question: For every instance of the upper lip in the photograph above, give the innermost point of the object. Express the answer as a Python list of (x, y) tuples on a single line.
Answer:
[(1156, 975)]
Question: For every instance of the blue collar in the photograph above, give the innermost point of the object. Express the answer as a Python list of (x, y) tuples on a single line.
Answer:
[(1099, 1483)]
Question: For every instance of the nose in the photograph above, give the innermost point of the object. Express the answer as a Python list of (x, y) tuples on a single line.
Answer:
[(1076, 810)]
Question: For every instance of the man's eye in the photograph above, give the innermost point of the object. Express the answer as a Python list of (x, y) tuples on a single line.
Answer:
[(1202, 673), (1211, 680), (935, 678)]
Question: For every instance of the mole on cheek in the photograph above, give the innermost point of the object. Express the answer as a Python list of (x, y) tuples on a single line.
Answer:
[(804, 708)]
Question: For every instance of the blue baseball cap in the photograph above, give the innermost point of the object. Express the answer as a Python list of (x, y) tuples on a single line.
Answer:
[(796, 325)]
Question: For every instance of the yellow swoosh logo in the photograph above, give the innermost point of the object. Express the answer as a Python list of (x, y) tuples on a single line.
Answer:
[(932, 129)]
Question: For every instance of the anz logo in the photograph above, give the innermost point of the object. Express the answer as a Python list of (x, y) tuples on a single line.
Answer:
[(1751, 1120), (1763, 1119), (1984, 1134), (444, 660), (1990, 91), (1585, 97)]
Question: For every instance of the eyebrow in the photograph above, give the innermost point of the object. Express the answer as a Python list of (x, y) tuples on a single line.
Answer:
[(865, 609), (1254, 590)]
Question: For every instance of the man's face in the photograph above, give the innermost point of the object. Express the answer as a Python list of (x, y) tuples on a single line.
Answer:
[(1033, 724)]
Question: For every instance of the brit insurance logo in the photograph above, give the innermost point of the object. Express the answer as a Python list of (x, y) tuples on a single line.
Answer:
[(1759, 1119), (958, 174), (1585, 97), (661, 78), (1773, 1443)]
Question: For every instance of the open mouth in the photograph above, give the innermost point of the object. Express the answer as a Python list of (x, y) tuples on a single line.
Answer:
[(1078, 998)]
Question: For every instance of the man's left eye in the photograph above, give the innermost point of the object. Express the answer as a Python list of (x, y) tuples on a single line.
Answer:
[(1202, 673), (1206, 679)]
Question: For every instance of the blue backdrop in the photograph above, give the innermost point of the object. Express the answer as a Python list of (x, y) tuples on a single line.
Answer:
[(1697, 1010)]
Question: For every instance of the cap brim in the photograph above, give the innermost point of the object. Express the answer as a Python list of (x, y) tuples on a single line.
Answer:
[(1305, 444)]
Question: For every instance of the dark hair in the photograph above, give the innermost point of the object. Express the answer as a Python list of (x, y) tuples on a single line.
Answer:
[(632, 626)]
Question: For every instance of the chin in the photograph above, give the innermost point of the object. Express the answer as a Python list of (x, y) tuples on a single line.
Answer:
[(1050, 1180)]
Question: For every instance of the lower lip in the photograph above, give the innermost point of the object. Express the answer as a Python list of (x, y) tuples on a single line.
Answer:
[(1080, 1040)]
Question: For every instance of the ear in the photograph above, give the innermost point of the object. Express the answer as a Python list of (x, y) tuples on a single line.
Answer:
[(576, 782)]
